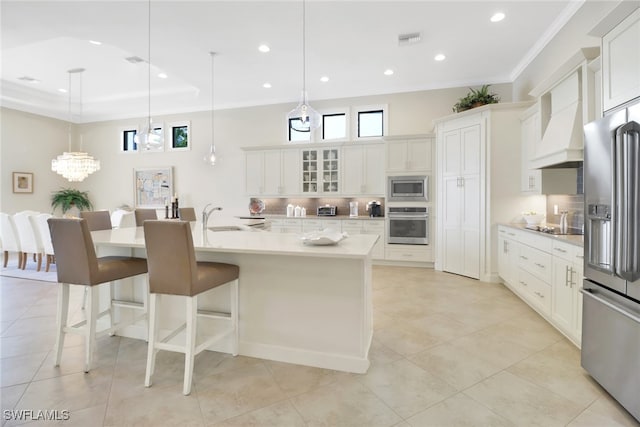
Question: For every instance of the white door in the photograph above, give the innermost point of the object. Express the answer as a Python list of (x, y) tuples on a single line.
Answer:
[(272, 172), (254, 172), (352, 169), (290, 172), (373, 171), (562, 307), (396, 156), (470, 225)]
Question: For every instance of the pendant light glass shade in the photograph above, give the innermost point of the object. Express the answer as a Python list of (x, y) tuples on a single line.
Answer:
[(210, 158), (303, 118), (147, 138), (75, 166)]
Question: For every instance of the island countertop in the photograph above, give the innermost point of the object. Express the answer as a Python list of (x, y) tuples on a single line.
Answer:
[(246, 241)]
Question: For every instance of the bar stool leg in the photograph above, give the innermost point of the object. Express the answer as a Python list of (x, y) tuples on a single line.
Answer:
[(6, 258), (153, 337), (189, 355), (61, 320), (234, 316), (112, 312), (91, 313)]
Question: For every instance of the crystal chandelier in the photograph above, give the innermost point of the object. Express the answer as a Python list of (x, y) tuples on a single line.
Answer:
[(75, 166), (303, 118), (210, 158)]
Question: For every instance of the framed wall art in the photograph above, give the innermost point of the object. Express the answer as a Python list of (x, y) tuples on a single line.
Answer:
[(22, 182), (153, 186)]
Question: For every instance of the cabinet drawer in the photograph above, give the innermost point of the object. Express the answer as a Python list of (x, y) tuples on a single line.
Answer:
[(508, 232), (373, 227), (408, 253), (353, 226), (534, 290), (542, 243), (568, 252), (535, 262)]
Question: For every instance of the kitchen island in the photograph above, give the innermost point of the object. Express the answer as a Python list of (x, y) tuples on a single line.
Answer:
[(309, 305)]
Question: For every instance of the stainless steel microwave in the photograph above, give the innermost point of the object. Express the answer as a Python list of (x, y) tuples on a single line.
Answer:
[(408, 188)]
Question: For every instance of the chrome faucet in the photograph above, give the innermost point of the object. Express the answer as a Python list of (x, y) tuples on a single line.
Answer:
[(206, 213)]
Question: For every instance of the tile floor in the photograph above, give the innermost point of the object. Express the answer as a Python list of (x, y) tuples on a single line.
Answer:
[(447, 351)]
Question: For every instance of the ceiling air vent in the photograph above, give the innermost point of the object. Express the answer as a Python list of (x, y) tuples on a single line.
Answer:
[(409, 38), (28, 79), (134, 59)]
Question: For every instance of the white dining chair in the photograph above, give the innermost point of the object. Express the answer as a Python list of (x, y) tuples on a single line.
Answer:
[(121, 218), (10, 239), (40, 224), (29, 238)]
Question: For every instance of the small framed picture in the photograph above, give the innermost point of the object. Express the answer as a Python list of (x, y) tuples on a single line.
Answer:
[(22, 182), (179, 136), (153, 186)]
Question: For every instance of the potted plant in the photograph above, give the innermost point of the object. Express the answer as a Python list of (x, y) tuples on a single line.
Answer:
[(69, 198), (476, 98)]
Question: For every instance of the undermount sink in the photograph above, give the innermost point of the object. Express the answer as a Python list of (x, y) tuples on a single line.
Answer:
[(226, 228)]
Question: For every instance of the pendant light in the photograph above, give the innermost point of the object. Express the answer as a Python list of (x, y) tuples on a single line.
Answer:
[(307, 117), (148, 138), (210, 158), (75, 166)]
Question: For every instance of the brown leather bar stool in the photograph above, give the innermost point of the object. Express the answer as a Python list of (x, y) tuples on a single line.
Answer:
[(97, 220), (144, 214), (173, 270), (77, 264), (187, 214)]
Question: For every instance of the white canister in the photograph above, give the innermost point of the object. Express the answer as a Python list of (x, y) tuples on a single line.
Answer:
[(297, 211), (303, 212), (290, 210)]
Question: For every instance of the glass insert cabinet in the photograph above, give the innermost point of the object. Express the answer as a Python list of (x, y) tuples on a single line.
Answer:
[(320, 170)]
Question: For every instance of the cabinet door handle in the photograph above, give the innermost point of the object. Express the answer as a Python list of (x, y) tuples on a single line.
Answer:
[(571, 282), (524, 257), (461, 181), (560, 250), (566, 276), (540, 265), (523, 283)]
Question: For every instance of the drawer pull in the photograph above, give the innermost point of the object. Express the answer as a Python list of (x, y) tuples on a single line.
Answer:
[(523, 283), (539, 294), (540, 265), (560, 250), (524, 257), (511, 234)]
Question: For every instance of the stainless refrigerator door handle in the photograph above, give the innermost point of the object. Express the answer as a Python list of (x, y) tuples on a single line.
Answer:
[(627, 251), (610, 305)]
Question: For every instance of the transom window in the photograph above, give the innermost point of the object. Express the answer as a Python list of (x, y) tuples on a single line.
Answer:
[(334, 126), (128, 140), (298, 135), (370, 123)]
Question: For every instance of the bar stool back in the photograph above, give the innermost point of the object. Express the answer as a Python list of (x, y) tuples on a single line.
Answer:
[(144, 214), (187, 214), (97, 220), (173, 270), (77, 264)]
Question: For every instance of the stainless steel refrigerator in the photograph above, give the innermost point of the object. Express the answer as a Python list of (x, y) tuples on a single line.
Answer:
[(611, 287)]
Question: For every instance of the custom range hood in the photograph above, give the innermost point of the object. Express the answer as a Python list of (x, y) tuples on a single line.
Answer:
[(567, 102)]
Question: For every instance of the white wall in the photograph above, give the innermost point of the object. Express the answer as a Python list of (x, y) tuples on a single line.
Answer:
[(573, 36), (195, 182)]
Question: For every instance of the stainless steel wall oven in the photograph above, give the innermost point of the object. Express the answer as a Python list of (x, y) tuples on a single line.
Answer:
[(408, 225)]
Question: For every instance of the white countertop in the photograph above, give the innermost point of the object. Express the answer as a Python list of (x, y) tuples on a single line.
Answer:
[(334, 217), (574, 239), (245, 241)]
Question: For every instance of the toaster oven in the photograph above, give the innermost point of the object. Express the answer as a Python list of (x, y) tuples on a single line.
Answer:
[(327, 210)]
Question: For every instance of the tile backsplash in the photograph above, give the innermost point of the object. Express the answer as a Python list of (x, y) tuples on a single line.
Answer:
[(278, 206), (573, 204)]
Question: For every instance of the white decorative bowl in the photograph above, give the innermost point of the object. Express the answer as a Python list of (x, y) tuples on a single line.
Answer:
[(323, 237), (533, 219)]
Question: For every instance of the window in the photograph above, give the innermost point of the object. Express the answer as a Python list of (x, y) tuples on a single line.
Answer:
[(334, 126), (128, 140), (370, 123), (179, 134), (296, 135)]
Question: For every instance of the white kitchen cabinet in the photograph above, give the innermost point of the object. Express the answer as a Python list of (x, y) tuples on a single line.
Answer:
[(409, 253), (476, 186), (621, 62), (286, 225), (320, 224), (566, 309), (320, 171), (271, 172), (460, 200), (409, 154), (508, 255), (362, 169)]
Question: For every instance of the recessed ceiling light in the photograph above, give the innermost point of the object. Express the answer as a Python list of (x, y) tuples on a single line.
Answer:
[(264, 48), (324, 79), (95, 42), (388, 72), (497, 17), (439, 57), (267, 85), (163, 75), (62, 90)]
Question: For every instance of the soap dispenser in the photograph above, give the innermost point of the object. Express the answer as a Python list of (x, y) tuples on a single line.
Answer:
[(563, 222)]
